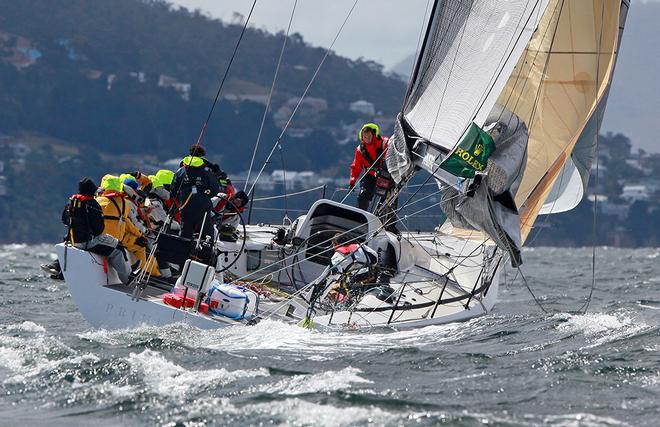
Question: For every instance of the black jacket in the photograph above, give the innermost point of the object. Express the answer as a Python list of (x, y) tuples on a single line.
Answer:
[(84, 217), (201, 179)]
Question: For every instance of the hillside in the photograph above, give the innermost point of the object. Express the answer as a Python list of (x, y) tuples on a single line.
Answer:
[(88, 88), (137, 76)]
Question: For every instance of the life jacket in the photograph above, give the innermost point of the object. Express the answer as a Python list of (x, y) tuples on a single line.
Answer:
[(81, 197), (229, 192), (347, 249), (120, 211), (367, 157), (115, 214), (84, 223), (173, 203)]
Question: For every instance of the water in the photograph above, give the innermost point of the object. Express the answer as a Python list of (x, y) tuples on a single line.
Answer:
[(514, 367)]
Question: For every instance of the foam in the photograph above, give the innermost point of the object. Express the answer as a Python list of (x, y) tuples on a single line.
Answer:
[(324, 382), (600, 328), (169, 379), (299, 412), (27, 326), (11, 359), (274, 335), (582, 420)]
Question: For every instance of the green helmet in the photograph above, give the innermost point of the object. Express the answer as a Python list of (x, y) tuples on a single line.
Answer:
[(165, 176), (373, 127), (193, 161), (112, 183), (125, 176), (155, 182)]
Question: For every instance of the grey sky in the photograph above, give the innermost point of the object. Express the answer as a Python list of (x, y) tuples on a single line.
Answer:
[(383, 30)]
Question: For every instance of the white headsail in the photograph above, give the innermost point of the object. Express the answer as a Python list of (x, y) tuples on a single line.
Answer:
[(470, 53), (546, 64)]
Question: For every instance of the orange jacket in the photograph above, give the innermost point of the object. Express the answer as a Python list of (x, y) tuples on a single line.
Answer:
[(377, 148)]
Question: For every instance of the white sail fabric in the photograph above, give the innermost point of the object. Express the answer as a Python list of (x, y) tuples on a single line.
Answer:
[(571, 184), (470, 52), (558, 88), (567, 191)]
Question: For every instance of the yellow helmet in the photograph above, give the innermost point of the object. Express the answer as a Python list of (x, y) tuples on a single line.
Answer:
[(112, 183), (373, 127), (155, 181), (165, 176)]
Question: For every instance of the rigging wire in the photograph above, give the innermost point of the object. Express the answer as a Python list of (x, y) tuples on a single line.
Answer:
[(170, 213), (270, 94), (286, 216), (308, 190), (304, 94), (224, 77), (585, 306)]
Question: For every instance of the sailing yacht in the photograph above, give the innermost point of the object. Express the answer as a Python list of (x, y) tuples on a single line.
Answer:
[(502, 113)]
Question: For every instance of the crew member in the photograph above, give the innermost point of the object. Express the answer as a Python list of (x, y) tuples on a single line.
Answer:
[(228, 206), (155, 204), (117, 213), (193, 186), (84, 218), (370, 156)]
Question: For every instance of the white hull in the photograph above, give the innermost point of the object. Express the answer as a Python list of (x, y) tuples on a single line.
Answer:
[(423, 263), (108, 308)]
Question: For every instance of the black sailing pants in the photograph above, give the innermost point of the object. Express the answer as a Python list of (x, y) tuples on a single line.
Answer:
[(367, 187), (192, 217)]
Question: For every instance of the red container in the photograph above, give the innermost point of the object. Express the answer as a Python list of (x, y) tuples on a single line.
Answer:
[(176, 300)]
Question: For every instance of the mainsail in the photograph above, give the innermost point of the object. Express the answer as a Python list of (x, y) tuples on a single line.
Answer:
[(547, 64)]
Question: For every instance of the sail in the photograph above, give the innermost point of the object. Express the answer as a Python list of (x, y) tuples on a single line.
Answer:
[(470, 51), (567, 191), (559, 88), (571, 184), (473, 65)]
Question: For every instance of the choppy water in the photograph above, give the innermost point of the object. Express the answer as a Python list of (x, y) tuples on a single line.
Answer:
[(514, 367)]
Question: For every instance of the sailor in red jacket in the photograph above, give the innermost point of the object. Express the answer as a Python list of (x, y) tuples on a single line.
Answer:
[(370, 156)]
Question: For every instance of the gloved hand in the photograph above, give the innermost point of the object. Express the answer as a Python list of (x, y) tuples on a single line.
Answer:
[(351, 184), (141, 241)]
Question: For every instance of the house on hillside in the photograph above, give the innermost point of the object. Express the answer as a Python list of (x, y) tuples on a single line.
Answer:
[(308, 112), (636, 192), (140, 76), (288, 178), (18, 149), (91, 74), (363, 107), (181, 87)]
